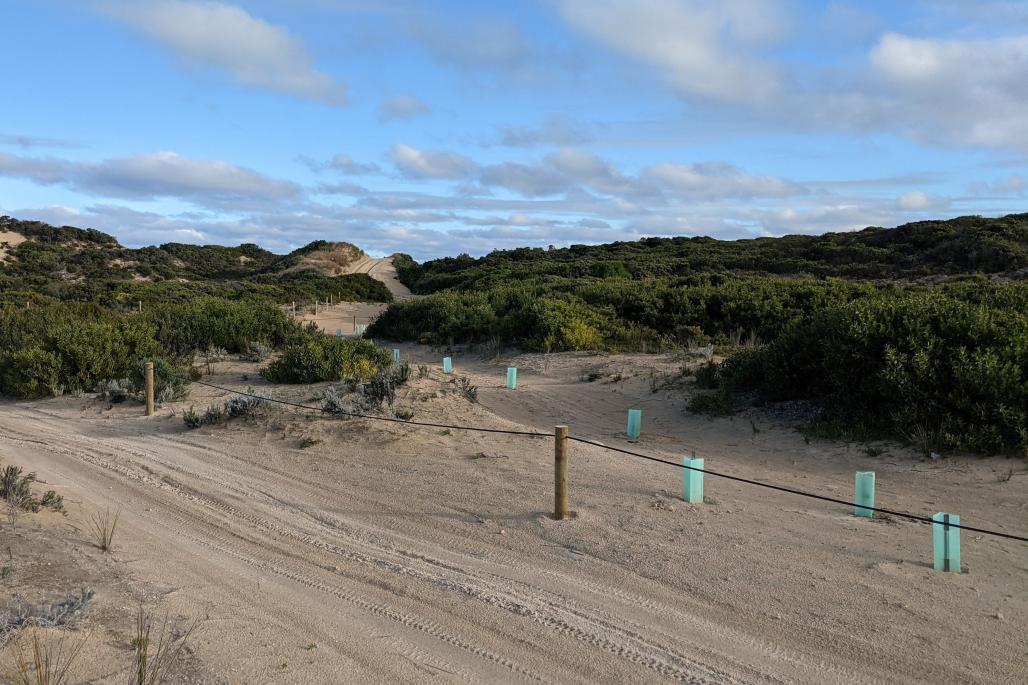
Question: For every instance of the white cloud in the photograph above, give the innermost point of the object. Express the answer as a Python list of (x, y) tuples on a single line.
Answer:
[(702, 47), (525, 179), (420, 164), (959, 91), (918, 200), (227, 37), (402, 107), (158, 174), (719, 180)]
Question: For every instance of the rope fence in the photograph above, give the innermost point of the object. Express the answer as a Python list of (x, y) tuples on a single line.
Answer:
[(945, 527)]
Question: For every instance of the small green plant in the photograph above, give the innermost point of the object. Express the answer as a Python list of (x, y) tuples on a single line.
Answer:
[(404, 413), (423, 371), (332, 402), (102, 527), (256, 351), (113, 391), (708, 376), (308, 441), (16, 492), (466, 389), (717, 403), (191, 418)]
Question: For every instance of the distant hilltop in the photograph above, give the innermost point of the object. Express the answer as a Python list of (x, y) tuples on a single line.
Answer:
[(70, 253)]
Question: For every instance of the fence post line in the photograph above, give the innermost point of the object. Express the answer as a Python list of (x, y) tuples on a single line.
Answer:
[(560, 472), (149, 388)]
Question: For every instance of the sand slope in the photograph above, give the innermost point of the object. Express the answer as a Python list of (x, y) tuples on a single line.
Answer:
[(389, 553)]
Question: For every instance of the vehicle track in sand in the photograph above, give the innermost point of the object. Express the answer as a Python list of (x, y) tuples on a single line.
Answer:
[(228, 510)]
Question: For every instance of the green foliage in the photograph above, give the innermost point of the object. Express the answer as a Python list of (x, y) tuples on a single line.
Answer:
[(16, 491), (30, 372), (717, 403), (313, 357), (215, 322), (170, 383), (919, 362), (846, 319)]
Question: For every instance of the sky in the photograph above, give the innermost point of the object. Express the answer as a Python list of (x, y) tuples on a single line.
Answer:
[(437, 128)]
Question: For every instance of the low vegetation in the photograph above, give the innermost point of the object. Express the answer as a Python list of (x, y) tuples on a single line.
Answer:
[(17, 495), (248, 406), (102, 528), (313, 357), (917, 330)]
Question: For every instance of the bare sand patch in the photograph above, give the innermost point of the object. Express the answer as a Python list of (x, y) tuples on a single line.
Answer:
[(388, 553), (12, 240)]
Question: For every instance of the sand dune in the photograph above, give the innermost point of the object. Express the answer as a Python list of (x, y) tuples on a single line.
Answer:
[(390, 553)]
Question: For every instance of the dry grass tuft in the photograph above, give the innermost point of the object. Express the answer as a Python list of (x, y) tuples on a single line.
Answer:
[(46, 660), (102, 527), (155, 652)]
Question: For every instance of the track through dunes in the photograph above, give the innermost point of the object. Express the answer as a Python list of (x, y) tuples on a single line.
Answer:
[(407, 554)]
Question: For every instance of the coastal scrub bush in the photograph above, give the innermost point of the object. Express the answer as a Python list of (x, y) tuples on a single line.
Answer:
[(314, 357)]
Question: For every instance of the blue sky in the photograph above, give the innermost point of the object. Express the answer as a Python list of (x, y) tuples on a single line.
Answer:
[(435, 128)]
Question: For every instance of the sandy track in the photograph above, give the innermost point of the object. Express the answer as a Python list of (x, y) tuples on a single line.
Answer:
[(346, 316), (404, 554)]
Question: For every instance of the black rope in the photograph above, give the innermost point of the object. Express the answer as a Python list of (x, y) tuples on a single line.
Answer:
[(373, 418), (803, 493), (534, 434)]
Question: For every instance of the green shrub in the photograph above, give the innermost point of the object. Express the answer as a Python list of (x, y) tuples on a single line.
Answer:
[(920, 361), (316, 357), (716, 403), (29, 373), (170, 383)]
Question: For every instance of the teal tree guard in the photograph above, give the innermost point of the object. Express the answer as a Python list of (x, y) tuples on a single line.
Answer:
[(512, 378), (865, 493), (447, 365), (946, 542), (635, 417), (692, 480), (396, 355)]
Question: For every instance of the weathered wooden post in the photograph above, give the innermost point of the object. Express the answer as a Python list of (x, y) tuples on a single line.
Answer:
[(560, 473), (149, 388)]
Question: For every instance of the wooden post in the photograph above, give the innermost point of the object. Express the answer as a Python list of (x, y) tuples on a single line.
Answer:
[(140, 306), (560, 472), (315, 307), (149, 388), (355, 325)]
